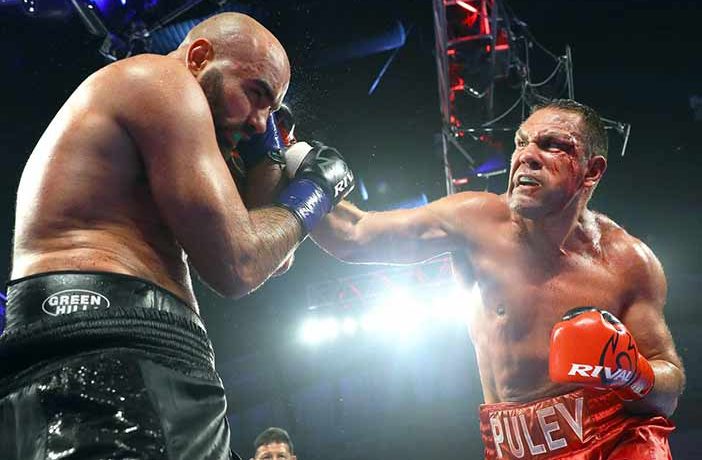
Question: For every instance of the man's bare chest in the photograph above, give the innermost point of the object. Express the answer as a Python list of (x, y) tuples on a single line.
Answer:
[(523, 296)]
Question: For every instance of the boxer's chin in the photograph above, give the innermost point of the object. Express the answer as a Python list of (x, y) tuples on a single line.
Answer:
[(526, 208)]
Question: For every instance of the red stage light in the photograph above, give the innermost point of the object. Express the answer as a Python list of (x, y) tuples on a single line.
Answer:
[(471, 18), (467, 6)]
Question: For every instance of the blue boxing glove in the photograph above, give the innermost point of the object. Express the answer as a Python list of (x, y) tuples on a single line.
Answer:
[(319, 179), (260, 146)]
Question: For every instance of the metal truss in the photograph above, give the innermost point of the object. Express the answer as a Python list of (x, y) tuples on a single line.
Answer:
[(484, 58), (360, 290)]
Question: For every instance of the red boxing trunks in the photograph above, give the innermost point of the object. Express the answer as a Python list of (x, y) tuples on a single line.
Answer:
[(582, 425)]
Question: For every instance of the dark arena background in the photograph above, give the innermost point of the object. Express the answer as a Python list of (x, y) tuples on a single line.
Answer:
[(374, 362)]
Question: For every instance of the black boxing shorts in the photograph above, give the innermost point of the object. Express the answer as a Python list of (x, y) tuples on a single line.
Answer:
[(106, 366)]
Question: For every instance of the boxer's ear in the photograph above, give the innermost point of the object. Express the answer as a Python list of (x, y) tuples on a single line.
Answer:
[(200, 53), (596, 166)]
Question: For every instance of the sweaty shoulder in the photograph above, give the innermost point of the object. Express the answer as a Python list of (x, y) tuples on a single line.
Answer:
[(488, 207), (638, 263), (149, 85), (617, 242), (469, 214)]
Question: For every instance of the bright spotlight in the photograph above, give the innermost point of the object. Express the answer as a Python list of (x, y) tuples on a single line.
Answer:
[(371, 321), (316, 330), (349, 326), (330, 326), (456, 304), (310, 331), (406, 323), (400, 313), (400, 301)]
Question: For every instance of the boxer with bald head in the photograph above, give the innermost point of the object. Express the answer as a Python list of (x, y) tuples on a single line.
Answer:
[(574, 354), (104, 354)]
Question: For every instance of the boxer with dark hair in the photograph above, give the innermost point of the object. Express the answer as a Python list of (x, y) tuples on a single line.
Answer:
[(104, 354), (575, 357)]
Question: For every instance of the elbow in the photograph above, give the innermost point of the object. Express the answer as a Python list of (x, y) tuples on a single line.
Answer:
[(234, 291), (246, 274), (669, 410), (665, 406), (236, 281), (231, 274), (678, 383), (244, 279), (681, 381), (229, 287), (663, 398)]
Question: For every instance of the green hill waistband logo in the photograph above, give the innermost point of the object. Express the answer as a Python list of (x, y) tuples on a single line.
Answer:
[(74, 300)]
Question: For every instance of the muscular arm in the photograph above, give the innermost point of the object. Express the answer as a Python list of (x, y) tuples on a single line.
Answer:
[(168, 117), (400, 236), (645, 319), (263, 184)]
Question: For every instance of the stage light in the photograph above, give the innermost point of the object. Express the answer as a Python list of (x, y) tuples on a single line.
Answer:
[(405, 308), (349, 326), (3, 300), (310, 331), (407, 323), (362, 189), (455, 305), (467, 6), (392, 36), (371, 322), (330, 328), (400, 313), (51, 9), (317, 330)]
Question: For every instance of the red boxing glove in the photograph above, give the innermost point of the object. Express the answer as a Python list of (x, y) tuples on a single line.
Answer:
[(592, 347)]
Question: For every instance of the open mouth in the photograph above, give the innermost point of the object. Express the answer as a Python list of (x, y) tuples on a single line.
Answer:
[(525, 180), (236, 137), (229, 139)]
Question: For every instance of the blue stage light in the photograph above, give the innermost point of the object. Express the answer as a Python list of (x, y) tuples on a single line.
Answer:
[(3, 301), (495, 164)]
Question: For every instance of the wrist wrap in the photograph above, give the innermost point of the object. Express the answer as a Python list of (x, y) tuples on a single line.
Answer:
[(307, 201)]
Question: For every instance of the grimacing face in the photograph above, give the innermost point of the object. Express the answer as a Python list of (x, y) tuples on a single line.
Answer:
[(243, 93), (549, 164)]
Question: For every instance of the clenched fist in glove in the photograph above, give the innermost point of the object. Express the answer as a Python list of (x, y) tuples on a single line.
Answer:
[(320, 178), (592, 347)]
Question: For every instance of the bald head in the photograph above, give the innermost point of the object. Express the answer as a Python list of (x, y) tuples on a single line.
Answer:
[(242, 69), (240, 38)]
